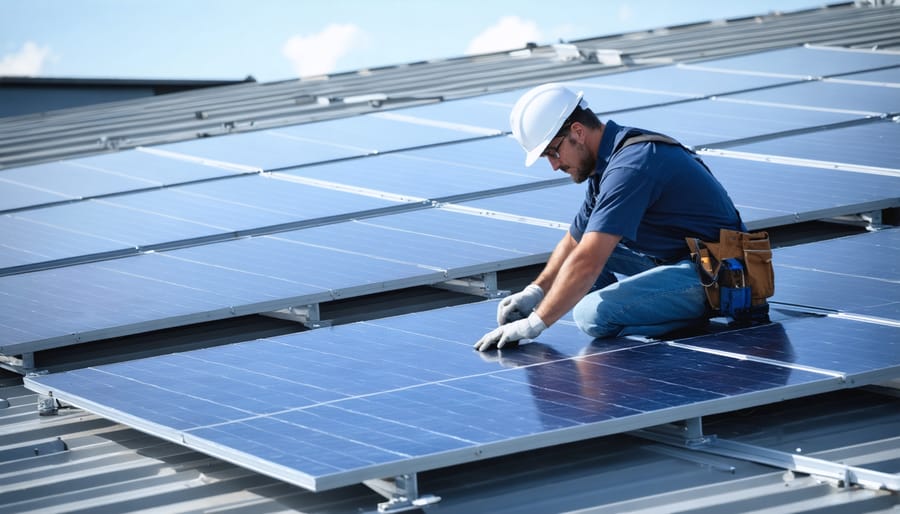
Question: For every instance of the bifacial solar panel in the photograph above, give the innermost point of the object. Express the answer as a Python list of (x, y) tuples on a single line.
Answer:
[(867, 144), (323, 141), (806, 61), (705, 122), (336, 406), (680, 80), (867, 100)]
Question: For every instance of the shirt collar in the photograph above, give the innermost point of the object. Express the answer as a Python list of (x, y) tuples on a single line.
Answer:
[(611, 136)]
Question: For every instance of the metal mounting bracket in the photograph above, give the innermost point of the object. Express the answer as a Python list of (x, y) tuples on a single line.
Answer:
[(484, 285), (308, 315), (402, 493), (689, 434)]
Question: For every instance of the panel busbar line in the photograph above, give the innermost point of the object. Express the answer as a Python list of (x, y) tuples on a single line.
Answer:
[(336, 406)]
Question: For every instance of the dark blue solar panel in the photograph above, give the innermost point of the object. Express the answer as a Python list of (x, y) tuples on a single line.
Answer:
[(807, 61), (766, 193), (436, 172), (873, 100), (842, 346), (326, 406), (872, 255), (172, 214), (846, 293), (704, 122), (869, 144), (436, 239), (680, 79), (856, 274)]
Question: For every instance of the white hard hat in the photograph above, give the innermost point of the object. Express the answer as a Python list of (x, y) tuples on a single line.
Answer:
[(539, 114)]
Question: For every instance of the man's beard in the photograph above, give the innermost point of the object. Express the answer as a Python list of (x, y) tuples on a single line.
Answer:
[(585, 168)]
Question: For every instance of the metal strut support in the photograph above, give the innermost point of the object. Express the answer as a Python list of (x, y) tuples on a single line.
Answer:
[(690, 435), (478, 285), (402, 493)]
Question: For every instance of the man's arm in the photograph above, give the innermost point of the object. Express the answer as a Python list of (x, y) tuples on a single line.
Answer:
[(562, 251), (569, 274), (579, 270)]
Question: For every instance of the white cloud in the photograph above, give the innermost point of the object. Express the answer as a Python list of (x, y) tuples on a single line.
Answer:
[(509, 33), (27, 62), (318, 54)]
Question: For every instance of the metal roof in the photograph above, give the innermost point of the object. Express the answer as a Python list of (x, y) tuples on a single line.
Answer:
[(247, 106), (79, 462)]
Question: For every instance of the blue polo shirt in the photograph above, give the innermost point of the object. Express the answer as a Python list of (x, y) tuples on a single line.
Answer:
[(653, 195)]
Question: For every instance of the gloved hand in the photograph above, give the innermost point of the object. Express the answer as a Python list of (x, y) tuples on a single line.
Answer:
[(527, 328), (519, 305)]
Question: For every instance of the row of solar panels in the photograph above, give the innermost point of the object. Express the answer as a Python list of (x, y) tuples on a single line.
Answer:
[(337, 406), (363, 223)]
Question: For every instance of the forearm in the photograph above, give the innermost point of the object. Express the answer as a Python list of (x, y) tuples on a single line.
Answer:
[(576, 275), (562, 251)]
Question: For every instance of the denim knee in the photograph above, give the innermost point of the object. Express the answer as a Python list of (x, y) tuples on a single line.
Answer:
[(588, 316)]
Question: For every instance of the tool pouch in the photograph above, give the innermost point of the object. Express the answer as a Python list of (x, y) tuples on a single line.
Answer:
[(736, 273)]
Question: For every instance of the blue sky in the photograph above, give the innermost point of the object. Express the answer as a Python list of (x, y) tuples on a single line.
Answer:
[(283, 39)]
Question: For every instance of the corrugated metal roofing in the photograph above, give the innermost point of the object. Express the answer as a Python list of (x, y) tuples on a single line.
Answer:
[(109, 468), (250, 106)]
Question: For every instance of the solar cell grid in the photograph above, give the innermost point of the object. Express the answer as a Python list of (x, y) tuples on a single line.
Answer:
[(866, 144), (340, 405)]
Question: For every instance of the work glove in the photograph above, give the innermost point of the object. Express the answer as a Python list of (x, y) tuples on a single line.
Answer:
[(519, 305), (527, 328)]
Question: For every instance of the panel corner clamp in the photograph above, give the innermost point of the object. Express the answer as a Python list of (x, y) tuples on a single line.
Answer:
[(402, 493)]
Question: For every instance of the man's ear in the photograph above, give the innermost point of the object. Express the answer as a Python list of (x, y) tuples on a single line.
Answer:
[(577, 131)]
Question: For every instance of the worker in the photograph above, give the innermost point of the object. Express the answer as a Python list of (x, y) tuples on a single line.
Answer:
[(623, 267)]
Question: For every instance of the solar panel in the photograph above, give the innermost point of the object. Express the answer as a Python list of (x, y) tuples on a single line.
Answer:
[(817, 343), (890, 76), (681, 80), (58, 181), (806, 61), (258, 274), (153, 218), (867, 144), (336, 406), (705, 122), (869, 100), (322, 141), (764, 192), (856, 275), (435, 173)]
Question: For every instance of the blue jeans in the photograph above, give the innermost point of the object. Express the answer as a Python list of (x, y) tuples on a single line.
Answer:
[(650, 300)]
